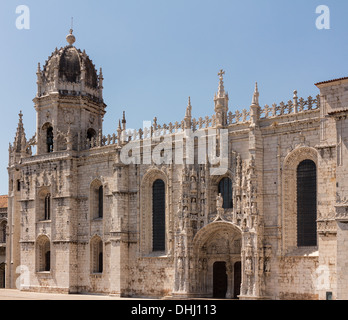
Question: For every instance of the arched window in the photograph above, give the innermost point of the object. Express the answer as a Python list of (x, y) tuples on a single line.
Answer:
[(96, 200), (91, 134), (96, 255), (225, 188), (48, 207), (49, 139), (43, 254), (44, 205), (47, 260), (3, 232), (100, 257), (2, 275), (306, 204), (158, 216), (100, 202)]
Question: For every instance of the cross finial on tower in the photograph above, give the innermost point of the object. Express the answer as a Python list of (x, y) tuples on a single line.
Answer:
[(221, 73), (221, 90)]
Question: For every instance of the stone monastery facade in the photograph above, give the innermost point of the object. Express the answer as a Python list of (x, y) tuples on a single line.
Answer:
[(248, 205)]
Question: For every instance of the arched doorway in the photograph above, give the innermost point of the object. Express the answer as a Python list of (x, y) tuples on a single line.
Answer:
[(2, 275), (217, 249), (219, 280), (237, 275)]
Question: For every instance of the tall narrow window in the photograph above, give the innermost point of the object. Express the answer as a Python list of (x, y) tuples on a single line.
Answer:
[(100, 202), (48, 261), (96, 200), (158, 216), (100, 257), (225, 188), (3, 232), (48, 207), (2, 275), (306, 204), (96, 255), (49, 139), (43, 254)]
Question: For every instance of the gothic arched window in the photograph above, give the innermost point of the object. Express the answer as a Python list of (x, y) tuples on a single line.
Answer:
[(48, 260), (44, 205), (97, 255), (48, 207), (3, 232), (96, 200), (306, 204), (158, 216), (100, 202), (91, 134), (225, 188), (43, 254), (2, 275), (49, 139)]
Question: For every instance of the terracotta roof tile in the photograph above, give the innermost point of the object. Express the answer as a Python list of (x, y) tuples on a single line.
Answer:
[(333, 80), (3, 201)]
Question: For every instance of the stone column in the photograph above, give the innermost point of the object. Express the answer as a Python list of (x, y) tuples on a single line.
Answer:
[(342, 260), (115, 265), (230, 274)]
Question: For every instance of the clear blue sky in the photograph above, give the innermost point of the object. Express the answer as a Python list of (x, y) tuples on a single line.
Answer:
[(156, 53)]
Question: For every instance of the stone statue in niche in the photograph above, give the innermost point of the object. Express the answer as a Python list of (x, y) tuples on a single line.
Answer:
[(193, 205), (248, 265), (268, 251), (193, 183), (219, 208), (202, 183), (219, 201)]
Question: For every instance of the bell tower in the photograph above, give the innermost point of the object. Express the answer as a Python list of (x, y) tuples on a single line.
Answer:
[(69, 101)]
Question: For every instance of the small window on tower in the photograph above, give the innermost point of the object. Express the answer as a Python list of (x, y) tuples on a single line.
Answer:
[(91, 134), (50, 139)]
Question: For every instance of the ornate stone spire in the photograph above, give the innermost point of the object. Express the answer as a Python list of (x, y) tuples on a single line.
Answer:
[(221, 102), (124, 121), (221, 90), (188, 115), (20, 121), (256, 95), (189, 108), (39, 79), (20, 138), (255, 107)]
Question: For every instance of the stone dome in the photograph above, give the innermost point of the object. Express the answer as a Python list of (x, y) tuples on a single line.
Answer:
[(71, 63)]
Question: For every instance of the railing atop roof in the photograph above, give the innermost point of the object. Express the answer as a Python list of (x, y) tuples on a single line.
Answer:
[(292, 107)]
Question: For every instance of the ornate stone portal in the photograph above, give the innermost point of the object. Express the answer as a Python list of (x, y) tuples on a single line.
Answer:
[(228, 236)]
